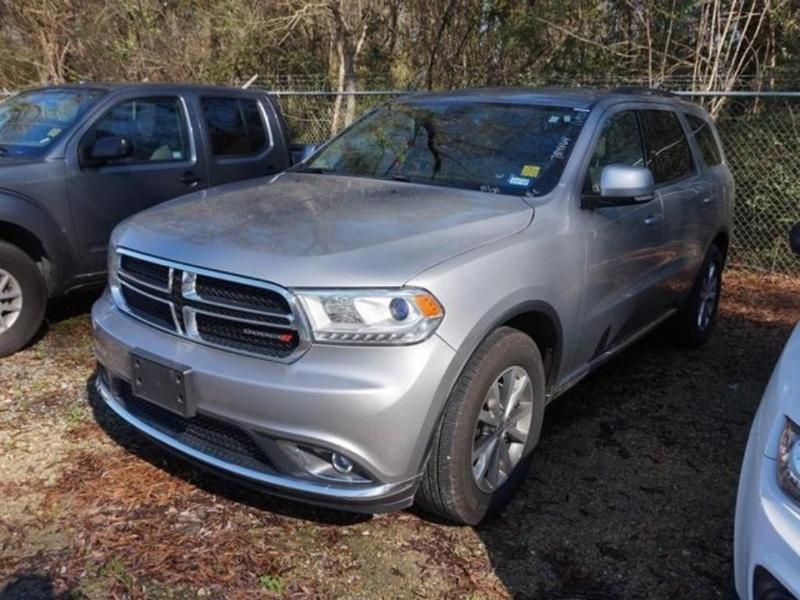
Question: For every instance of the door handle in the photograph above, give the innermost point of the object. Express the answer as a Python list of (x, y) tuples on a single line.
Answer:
[(190, 178), (653, 219)]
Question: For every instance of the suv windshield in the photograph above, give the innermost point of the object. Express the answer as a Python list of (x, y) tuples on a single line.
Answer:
[(31, 121), (517, 149)]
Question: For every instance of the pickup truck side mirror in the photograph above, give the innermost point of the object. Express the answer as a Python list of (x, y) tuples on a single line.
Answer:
[(794, 238), (111, 148), (301, 152), (622, 185)]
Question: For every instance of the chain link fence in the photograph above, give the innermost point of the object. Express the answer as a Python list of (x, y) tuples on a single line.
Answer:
[(760, 132)]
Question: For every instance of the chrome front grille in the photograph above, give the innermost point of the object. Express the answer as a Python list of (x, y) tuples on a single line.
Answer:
[(216, 309)]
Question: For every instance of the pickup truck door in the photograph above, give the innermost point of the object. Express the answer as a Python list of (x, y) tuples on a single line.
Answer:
[(624, 244), (164, 164), (243, 136)]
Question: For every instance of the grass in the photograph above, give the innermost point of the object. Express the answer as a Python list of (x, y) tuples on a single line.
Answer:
[(76, 415), (271, 583), (116, 568)]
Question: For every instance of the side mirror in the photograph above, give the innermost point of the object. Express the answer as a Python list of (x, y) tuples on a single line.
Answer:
[(111, 148), (308, 150), (622, 185), (794, 238), (301, 152)]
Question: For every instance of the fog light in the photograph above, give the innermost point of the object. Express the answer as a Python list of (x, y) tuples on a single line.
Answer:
[(341, 463), (301, 460)]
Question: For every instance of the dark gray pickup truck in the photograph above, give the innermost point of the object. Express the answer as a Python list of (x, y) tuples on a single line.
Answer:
[(76, 160)]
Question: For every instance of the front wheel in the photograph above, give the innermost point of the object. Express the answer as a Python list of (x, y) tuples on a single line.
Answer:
[(23, 298), (697, 318), (490, 426)]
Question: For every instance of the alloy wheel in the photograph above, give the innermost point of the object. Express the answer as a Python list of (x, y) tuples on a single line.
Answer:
[(502, 428), (10, 300), (709, 293)]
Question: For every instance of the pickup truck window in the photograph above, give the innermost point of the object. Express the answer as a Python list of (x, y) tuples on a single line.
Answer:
[(30, 122), (156, 127), (517, 149), (235, 126)]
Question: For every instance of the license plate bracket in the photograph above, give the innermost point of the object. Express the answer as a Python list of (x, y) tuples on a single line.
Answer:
[(162, 382)]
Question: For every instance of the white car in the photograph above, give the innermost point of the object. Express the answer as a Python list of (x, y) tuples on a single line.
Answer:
[(767, 537)]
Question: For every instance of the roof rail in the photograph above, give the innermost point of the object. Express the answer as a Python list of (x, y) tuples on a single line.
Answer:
[(645, 91)]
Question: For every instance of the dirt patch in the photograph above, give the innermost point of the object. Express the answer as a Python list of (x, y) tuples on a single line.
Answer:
[(631, 493)]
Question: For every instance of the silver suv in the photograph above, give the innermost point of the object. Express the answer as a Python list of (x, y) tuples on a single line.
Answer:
[(386, 322)]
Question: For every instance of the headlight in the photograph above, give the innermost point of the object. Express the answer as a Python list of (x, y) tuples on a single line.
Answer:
[(371, 316), (789, 460)]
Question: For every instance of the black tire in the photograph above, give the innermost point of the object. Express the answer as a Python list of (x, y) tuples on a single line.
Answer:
[(688, 330), (34, 298), (448, 488)]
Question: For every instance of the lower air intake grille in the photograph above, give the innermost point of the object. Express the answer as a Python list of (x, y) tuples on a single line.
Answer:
[(205, 434)]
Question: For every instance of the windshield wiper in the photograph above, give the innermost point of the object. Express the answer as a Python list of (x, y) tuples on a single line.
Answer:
[(317, 170)]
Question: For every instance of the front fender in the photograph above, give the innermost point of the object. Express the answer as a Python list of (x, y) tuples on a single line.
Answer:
[(18, 211)]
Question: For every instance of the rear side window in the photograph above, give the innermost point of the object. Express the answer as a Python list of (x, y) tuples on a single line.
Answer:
[(701, 130), (235, 126), (668, 154)]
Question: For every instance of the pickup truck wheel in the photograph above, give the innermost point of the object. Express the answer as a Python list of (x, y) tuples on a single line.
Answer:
[(491, 423), (23, 299), (697, 318)]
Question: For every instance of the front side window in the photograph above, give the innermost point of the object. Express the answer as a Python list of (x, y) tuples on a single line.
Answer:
[(497, 148), (235, 126), (156, 128), (701, 130), (620, 143), (32, 121), (669, 156)]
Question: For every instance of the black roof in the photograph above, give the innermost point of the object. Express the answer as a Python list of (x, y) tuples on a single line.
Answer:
[(114, 86)]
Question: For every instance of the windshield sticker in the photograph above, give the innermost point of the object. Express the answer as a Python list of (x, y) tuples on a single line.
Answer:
[(54, 132), (563, 144), (514, 180), (530, 171)]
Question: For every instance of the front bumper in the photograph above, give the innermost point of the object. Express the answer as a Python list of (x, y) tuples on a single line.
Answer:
[(377, 406), (767, 536)]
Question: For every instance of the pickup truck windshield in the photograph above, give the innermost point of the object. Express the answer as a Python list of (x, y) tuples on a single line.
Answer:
[(498, 148), (30, 122)]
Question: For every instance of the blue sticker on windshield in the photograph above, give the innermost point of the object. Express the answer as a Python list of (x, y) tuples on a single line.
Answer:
[(523, 181)]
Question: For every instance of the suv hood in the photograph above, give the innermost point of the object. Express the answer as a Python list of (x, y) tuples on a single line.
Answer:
[(308, 230)]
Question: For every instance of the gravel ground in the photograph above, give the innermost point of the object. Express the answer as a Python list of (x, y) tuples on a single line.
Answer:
[(631, 494)]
